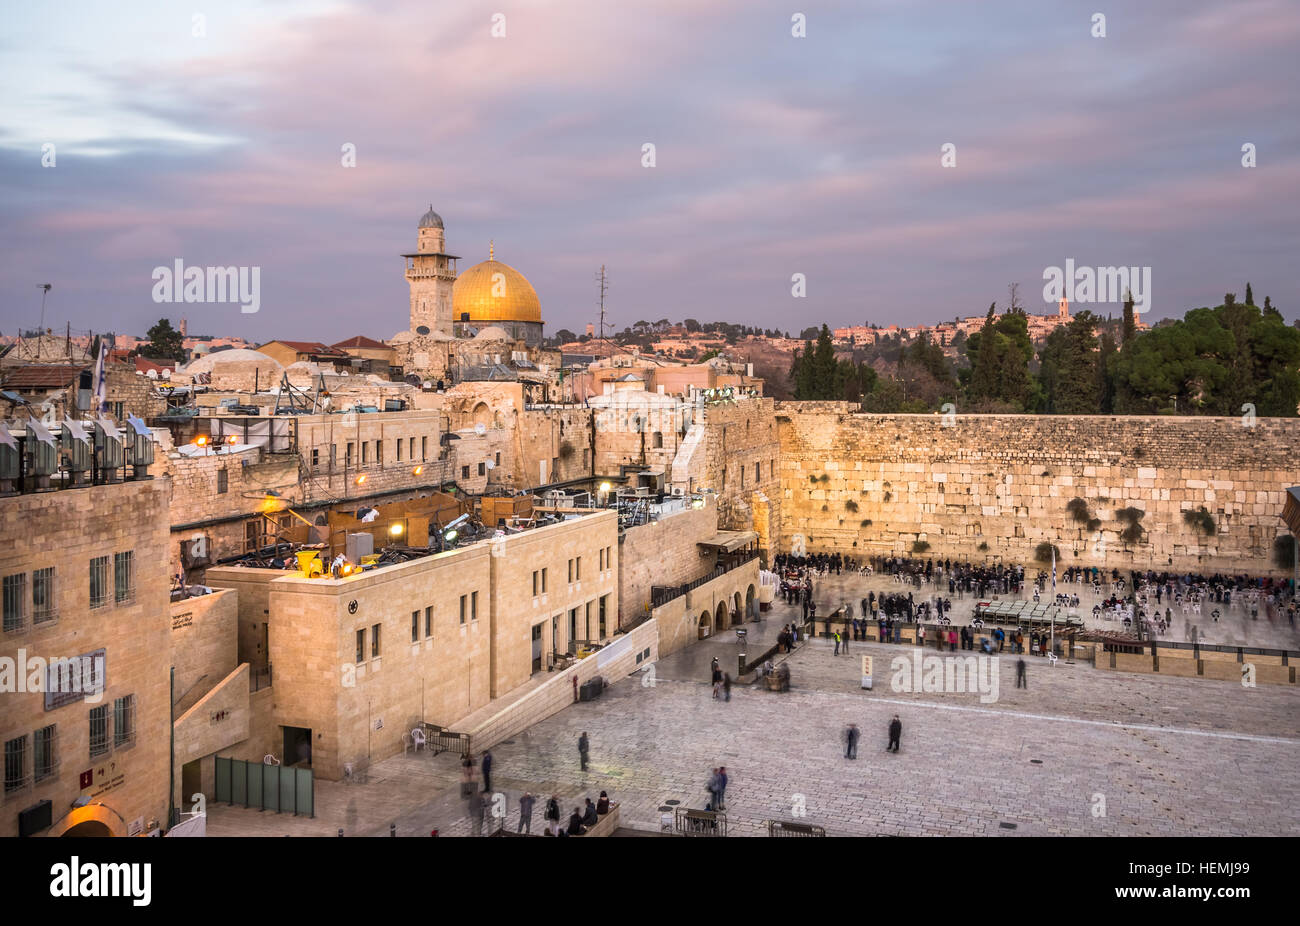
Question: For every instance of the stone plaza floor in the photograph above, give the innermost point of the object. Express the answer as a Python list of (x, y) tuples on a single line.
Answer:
[(1079, 751)]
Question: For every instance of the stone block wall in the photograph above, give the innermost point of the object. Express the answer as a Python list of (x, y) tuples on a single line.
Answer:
[(862, 484), (664, 552)]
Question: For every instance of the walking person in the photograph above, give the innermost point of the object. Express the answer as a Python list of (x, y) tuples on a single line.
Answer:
[(851, 741), (1021, 680), (487, 770), (526, 814), (552, 813), (584, 745), (895, 734), (726, 686), (712, 787), (837, 643), (476, 812), (722, 787)]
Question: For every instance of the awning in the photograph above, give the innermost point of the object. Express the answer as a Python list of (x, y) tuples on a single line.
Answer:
[(1291, 510), (730, 541)]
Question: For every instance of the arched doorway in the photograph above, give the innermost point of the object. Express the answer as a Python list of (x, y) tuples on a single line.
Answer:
[(482, 415), (705, 627), (738, 616), (720, 617), (751, 606), (94, 820)]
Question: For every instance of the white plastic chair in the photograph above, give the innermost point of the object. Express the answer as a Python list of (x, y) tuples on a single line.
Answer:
[(417, 737)]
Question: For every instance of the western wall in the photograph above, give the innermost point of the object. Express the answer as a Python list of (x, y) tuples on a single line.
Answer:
[(994, 487)]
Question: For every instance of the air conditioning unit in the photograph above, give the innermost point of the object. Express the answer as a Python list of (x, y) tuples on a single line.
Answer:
[(679, 491), (108, 445)]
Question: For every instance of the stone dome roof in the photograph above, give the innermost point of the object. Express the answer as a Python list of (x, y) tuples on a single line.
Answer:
[(487, 297), (492, 333), (215, 360), (431, 219)]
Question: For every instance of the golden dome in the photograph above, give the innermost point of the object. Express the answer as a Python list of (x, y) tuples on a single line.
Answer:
[(494, 292)]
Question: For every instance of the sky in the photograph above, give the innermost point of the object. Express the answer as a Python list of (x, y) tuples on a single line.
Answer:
[(213, 133)]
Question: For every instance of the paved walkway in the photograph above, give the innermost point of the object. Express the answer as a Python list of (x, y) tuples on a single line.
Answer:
[(1079, 752)]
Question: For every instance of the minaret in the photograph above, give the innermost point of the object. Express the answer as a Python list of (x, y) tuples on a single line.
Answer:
[(1063, 309), (430, 273)]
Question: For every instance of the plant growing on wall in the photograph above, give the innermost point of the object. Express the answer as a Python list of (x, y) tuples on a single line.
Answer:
[(919, 546), (566, 450), (1043, 552), (851, 505), (888, 496), (983, 547), (1200, 520), (1133, 530), (866, 522)]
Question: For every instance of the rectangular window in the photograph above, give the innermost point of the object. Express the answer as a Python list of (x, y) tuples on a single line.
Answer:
[(482, 469), (99, 581), (45, 754), (44, 605), (348, 453), (473, 606), (498, 459), (577, 569), (399, 451), (604, 601), (361, 645), (415, 626), (464, 472), (570, 572), (379, 452), (15, 764), (99, 731), (411, 454), (543, 581), (223, 482), (573, 627), (428, 622), (374, 641), (424, 448), (600, 559), (757, 476), (124, 576), (365, 452), (536, 576), (587, 628), (15, 602), (315, 457), (462, 608), (124, 721)]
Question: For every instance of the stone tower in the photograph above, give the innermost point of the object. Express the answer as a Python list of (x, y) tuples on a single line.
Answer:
[(430, 272), (1063, 308)]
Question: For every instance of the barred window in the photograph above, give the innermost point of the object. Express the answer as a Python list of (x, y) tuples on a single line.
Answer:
[(361, 645), (124, 721), (45, 755), (223, 482), (124, 576), (44, 604), (99, 581), (15, 602), (15, 764), (98, 731)]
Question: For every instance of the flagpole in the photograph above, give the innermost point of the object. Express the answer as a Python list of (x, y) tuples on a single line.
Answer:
[(1052, 644)]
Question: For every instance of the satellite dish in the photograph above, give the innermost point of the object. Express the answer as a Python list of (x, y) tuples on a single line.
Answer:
[(491, 465), (479, 429)]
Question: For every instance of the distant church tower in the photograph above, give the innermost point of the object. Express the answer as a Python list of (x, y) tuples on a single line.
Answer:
[(430, 273), (1063, 309)]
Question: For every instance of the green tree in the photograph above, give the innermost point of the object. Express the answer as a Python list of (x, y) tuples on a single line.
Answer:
[(165, 343), (1129, 331), (1250, 296)]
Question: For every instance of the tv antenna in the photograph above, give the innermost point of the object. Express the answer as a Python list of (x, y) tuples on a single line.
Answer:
[(604, 288), (44, 288)]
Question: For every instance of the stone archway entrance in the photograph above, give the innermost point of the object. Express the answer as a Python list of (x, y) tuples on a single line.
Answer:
[(92, 829), (720, 616), (751, 606), (705, 626)]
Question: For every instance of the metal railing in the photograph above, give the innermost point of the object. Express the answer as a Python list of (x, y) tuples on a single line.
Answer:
[(709, 823), (259, 677), (786, 828), (662, 594)]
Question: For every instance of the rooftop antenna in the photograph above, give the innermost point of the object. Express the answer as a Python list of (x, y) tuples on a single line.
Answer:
[(44, 288), (604, 288)]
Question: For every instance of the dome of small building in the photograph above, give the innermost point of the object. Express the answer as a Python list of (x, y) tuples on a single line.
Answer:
[(492, 333), (216, 360), (431, 219)]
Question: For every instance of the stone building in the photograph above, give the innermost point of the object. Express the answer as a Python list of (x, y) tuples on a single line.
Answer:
[(85, 718), (359, 661)]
